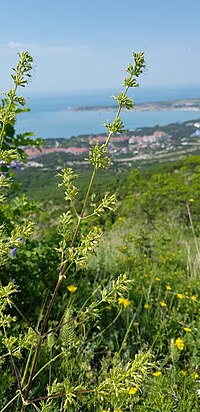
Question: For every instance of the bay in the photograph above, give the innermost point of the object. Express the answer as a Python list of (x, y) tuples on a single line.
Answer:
[(53, 115)]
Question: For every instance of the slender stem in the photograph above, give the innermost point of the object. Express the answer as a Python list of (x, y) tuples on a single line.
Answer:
[(57, 395), (88, 191), (13, 364), (44, 324), (33, 366), (43, 398), (24, 317), (31, 350), (193, 231), (11, 401), (58, 327), (117, 115), (74, 210), (107, 327), (16, 373), (27, 365), (127, 332), (61, 275), (45, 366), (125, 337)]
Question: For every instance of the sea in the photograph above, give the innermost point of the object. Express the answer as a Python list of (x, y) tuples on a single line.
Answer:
[(52, 115)]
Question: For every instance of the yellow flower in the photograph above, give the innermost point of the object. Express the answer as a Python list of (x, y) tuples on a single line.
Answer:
[(194, 298), (146, 306), (72, 288), (179, 343), (187, 329), (157, 278), (183, 373), (191, 200), (162, 303), (132, 391), (168, 287), (123, 248), (157, 373), (124, 302), (180, 295), (195, 375)]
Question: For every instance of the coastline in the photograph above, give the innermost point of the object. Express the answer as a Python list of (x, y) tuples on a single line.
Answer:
[(173, 105)]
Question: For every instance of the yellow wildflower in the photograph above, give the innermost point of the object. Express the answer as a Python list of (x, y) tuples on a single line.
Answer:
[(72, 288), (146, 306), (124, 302), (180, 295), (183, 373), (157, 278), (195, 375), (157, 373), (132, 391), (191, 200), (179, 343), (123, 248), (168, 287), (194, 298), (187, 329), (162, 303)]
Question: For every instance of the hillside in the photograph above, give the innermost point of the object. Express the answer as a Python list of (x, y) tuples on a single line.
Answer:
[(141, 146)]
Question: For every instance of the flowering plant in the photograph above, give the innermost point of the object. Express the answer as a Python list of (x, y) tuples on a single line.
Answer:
[(74, 249)]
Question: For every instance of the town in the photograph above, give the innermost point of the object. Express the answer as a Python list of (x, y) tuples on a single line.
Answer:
[(166, 142)]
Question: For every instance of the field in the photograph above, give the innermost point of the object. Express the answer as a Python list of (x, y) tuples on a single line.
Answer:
[(100, 287), (153, 238)]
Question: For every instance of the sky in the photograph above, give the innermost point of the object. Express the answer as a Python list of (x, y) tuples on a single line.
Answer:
[(86, 44)]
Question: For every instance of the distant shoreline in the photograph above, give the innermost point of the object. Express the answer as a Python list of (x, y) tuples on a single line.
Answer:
[(174, 105)]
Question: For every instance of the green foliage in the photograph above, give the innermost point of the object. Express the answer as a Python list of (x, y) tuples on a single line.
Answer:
[(98, 156), (58, 338), (12, 105), (115, 325)]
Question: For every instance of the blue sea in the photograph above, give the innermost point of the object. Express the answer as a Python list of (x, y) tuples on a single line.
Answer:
[(52, 115)]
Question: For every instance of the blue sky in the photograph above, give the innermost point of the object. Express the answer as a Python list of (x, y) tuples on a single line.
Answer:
[(85, 44)]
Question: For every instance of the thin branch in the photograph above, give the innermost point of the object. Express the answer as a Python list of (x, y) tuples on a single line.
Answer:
[(58, 327), (45, 366), (17, 374), (24, 317), (56, 395), (43, 398)]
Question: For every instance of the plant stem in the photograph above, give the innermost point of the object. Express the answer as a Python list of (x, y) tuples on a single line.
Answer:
[(61, 276), (46, 364), (6, 115), (16, 372), (59, 281), (24, 317), (11, 401)]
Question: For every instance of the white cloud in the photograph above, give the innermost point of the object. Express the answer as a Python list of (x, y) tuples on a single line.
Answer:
[(41, 48)]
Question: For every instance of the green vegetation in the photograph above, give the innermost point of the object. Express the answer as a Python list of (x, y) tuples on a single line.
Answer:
[(99, 322)]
